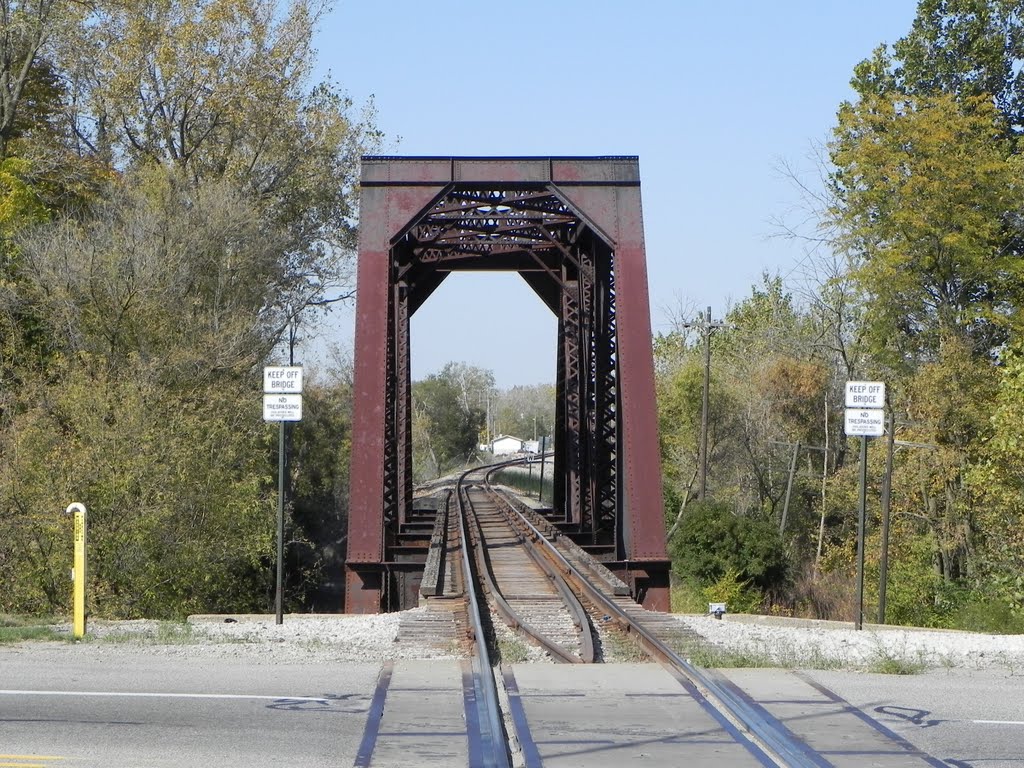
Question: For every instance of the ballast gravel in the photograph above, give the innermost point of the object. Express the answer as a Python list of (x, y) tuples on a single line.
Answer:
[(749, 640)]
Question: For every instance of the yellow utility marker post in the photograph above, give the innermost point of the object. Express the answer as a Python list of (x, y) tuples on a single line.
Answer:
[(78, 573)]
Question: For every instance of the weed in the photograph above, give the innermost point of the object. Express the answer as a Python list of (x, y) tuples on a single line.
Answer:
[(894, 665), (889, 662), (687, 597), (174, 633), (511, 650), (623, 647), (709, 656), (163, 633)]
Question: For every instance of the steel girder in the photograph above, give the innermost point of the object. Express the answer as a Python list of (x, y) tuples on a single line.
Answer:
[(572, 228)]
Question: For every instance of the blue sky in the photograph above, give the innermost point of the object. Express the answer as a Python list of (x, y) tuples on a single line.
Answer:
[(714, 98)]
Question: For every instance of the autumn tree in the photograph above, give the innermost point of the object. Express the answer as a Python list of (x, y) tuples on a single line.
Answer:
[(996, 483), (27, 30), (527, 412), (923, 205), (221, 91)]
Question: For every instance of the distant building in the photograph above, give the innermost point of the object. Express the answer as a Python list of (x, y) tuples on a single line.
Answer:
[(505, 444)]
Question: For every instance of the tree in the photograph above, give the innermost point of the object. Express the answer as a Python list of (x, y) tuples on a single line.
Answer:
[(524, 411), (448, 417), (26, 29), (182, 278), (960, 48), (712, 540), (134, 321), (219, 91), (320, 448), (996, 485), (179, 519), (768, 355), (926, 192)]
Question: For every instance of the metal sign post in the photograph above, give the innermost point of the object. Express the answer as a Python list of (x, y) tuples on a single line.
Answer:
[(865, 417), (861, 520), (78, 573), (282, 402)]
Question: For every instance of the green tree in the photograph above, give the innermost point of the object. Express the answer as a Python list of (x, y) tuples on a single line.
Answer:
[(926, 189), (448, 415), (996, 483), (179, 518), (961, 48), (320, 447)]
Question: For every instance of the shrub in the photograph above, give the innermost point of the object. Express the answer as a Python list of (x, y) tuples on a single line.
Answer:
[(711, 542), (737, 593)]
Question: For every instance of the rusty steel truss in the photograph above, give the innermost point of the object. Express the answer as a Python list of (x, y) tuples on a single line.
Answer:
[(572, 228)]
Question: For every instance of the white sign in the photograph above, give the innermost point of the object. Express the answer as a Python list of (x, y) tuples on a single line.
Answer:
[(282, 378), (282, 407), (865, 422), (865, 394)]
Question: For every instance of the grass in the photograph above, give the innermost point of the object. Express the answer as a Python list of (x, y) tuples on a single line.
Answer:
[(511, 650), (15, 629), (894, 665), (623, 648), (687, 598), (885, 661), (709, 656)]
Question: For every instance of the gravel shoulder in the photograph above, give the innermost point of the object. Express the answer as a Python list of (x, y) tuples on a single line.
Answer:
[(739, 641), (802, 643)]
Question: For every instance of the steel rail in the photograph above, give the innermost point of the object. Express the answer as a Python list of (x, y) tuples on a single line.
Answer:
[(579, 614), (780, 745), (495, 749), (509, 614)]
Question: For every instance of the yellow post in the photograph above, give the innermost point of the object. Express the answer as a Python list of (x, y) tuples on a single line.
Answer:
[(78, 574)]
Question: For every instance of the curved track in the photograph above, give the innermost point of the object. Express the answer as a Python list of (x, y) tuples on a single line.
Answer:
[(510, 544)]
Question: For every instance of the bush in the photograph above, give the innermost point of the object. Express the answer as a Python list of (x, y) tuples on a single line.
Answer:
[(711, 542), (737, 593)]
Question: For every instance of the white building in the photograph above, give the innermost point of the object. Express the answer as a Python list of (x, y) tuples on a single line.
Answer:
[(505, 444)]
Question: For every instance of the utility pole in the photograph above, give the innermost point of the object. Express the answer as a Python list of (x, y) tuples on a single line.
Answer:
[(707, 327)]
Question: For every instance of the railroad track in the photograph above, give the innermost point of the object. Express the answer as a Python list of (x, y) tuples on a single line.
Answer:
[(497, 561), (537, 583)]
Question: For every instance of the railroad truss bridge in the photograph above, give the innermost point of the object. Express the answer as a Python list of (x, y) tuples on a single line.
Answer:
[(572, 228)]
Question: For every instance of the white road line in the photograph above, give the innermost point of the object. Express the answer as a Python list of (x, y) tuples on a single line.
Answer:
[(129, 694), (998, 722)]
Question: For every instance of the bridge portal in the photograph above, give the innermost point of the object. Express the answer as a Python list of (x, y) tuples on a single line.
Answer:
[(572, 228)]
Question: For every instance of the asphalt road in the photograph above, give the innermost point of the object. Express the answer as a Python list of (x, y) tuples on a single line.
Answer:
[(63, 708), (965, 718), (151, 713)]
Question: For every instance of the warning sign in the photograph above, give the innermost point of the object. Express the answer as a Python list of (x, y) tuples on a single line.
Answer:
[(282, 407), (865, 422)]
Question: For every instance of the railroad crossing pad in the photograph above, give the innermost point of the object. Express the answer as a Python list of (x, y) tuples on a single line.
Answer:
[(842, 735), (613, 715), (424, 720)]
